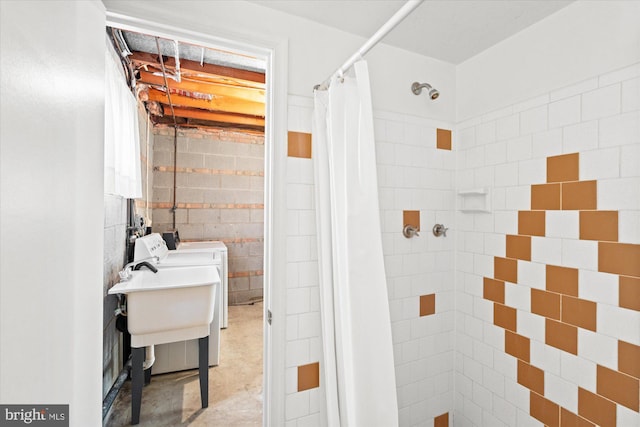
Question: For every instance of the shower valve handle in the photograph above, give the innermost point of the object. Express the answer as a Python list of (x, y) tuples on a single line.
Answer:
[(409, 231), (440, 230)]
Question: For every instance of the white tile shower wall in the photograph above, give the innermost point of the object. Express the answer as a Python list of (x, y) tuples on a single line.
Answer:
[(600, 119), (304, 339), (412, 175)]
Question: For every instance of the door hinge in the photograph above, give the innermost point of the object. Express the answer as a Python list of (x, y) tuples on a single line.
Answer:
[(269, 316)]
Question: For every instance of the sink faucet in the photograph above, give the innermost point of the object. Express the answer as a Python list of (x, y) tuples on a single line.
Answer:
[(125, 274)]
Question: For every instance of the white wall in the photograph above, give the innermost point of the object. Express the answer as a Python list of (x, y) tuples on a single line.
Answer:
[(568, 84), (578, 42), (52, 113), (315, 51)]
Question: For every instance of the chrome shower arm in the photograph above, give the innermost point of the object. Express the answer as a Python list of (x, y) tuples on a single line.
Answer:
[(416, 88)]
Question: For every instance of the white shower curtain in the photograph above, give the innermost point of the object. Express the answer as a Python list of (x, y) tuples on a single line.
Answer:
[(359, 374)]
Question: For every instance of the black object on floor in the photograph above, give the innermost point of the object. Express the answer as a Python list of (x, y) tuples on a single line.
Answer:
[(141, 377), (137, 356), (203, 367)]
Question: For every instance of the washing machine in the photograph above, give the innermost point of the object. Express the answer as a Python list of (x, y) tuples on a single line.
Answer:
[(214, 247), (179, 356)]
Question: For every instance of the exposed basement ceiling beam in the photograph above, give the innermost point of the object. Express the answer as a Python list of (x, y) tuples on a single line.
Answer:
[(219, 117), (216, 89), (217, 104), (194, 68)]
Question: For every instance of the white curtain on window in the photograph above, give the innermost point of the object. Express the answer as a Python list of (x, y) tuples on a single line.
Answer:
[(122, 140), (358, 368)]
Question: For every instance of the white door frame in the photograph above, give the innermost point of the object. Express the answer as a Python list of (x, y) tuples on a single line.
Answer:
[(275, 53)]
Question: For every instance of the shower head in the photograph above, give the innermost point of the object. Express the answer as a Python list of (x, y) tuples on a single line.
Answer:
[(416, 88)]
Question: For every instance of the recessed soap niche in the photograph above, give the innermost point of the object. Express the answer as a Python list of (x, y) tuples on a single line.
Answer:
[(474, 200)]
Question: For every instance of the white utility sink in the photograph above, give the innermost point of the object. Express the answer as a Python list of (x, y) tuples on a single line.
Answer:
[(181, 355), (171, 305)]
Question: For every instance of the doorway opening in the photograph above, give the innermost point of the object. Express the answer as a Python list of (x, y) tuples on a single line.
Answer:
[(206, 152)]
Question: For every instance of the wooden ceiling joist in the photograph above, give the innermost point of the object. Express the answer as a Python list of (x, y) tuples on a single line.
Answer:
[(237, 96), (189, 67), (247, 94), (217, 104), (197, 123), (218, 117)]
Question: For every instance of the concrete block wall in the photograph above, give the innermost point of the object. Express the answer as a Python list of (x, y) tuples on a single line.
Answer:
[(219, 196), (115, 224)]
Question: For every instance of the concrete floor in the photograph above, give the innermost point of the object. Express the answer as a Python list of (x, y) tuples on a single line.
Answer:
[(235, 386)]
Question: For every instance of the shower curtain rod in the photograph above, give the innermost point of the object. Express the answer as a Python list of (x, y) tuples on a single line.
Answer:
[(397, 17)]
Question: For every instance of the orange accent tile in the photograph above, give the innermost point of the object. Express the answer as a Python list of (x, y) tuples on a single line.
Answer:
[(531, 223), (504, 316), (299, 144), (595, 408), (563, 168), (562, 280), (411, 218), (427, 304), (580, 195), (493, 290), (629, 358), (545, 197), (561, 335), (443, 139), (599, 225), (517, 345), (629, 293), (579, 312), (545, 303), (505, 269), (531, 377), (544, 410), (618, 387), (441, 420), (569, 419), (308, 376), (519, 247), (619, 258)]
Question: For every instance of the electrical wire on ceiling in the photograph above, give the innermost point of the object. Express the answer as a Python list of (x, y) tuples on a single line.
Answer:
[(166, 83), (123, 50), (175, 134), (147, 181), (176, 45)]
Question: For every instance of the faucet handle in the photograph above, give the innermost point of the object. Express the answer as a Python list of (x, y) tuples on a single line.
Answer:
[(440, 230), (124, 274), (409, 231)]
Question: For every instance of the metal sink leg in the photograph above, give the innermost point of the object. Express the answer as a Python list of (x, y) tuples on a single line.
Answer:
[(203, 368), (137, 382)]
